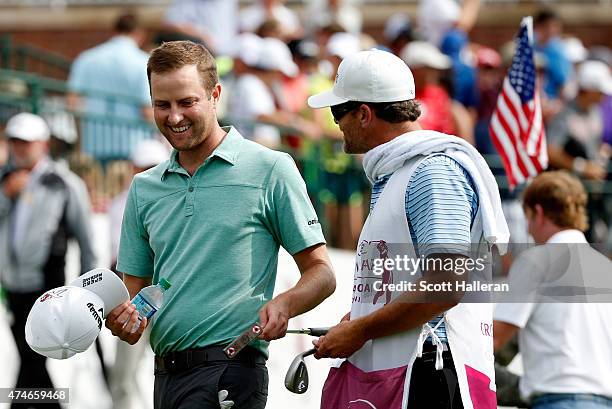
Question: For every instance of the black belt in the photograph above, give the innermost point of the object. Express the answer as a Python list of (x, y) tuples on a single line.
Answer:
[(430, 347), (183, 360)]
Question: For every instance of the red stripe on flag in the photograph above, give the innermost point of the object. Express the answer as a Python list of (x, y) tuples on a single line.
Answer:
[(504, 157), (514, 140)]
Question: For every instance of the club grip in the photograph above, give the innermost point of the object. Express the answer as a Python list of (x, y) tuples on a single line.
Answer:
[(318, 332)]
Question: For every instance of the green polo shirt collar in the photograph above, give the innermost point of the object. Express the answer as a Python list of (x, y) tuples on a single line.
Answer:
[(228, 150)]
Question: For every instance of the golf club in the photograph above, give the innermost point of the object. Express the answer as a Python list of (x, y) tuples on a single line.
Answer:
[(315, 332), (296, 379)]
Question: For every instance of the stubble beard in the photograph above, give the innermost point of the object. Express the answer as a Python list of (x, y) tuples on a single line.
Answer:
[(354, 146), (196, 138)]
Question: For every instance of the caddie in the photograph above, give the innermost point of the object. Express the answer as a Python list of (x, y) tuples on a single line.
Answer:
[(433, 196)]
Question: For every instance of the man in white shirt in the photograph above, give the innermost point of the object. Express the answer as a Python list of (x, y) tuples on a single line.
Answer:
[(566, 346)]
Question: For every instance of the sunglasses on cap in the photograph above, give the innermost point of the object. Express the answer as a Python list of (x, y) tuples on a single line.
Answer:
[(339, 111)]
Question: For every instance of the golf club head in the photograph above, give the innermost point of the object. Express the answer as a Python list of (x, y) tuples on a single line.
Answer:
[(296, 379)]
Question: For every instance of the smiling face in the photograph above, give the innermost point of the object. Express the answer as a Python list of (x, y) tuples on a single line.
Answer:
[(184, 110)]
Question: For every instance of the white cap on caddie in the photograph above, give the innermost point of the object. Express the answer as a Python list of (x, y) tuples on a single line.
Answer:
[(368, 76), (106, 285), (64, 321)]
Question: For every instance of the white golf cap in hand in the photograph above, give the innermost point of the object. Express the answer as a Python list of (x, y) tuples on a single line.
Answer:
[(64, 321)]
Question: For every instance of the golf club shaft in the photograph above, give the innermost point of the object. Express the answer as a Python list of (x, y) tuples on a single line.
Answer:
[(315, 332)]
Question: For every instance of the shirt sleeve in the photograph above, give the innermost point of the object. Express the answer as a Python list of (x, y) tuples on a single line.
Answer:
[(440, 205), (135, 254), (289, 212)]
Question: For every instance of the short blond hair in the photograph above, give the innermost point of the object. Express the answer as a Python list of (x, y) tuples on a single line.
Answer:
[(174, 55), (561, 196)]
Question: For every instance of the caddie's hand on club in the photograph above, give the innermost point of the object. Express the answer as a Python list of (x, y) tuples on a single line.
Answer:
[(274, 318), (341, 341), (122, 319)]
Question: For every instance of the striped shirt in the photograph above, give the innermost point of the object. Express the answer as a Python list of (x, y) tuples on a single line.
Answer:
[(441, 204)]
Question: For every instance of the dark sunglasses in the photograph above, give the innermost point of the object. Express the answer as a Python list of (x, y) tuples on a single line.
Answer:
[(340, 111)]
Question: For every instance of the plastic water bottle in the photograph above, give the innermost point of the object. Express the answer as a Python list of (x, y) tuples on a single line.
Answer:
[(149, 300)]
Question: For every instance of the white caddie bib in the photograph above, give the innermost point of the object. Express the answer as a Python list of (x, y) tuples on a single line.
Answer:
[(378, 375)]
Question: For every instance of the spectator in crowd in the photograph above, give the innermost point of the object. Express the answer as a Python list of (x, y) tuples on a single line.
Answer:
[(447, 25), (257, 95), (112, 78), (296, 89), (576, 53), (558, 337), (64, 135), (252, 17), (321, 37), (398, 33), (212, 22), (42, 205), (547, 29), (342, 12), (575, 135), (271, 28), (575, 138), (438, 111), (124, 373), (490, 79), (604, 54)]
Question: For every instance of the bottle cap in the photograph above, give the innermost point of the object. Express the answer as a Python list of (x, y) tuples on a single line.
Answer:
[(164, 283)]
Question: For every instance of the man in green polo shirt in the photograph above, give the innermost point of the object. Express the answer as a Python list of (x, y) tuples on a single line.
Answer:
[(211, 220)]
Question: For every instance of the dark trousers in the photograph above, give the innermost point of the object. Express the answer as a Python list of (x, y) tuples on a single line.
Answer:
[(32, 370), (198, 387), (431, 388)]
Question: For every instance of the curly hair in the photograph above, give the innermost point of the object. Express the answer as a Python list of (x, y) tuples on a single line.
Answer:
[(396, 112), (561, 196)]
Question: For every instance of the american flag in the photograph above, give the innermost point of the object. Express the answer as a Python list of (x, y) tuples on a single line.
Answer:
[(516, 127)]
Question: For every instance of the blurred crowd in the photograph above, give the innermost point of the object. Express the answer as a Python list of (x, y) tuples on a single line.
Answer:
[(270, 59)]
